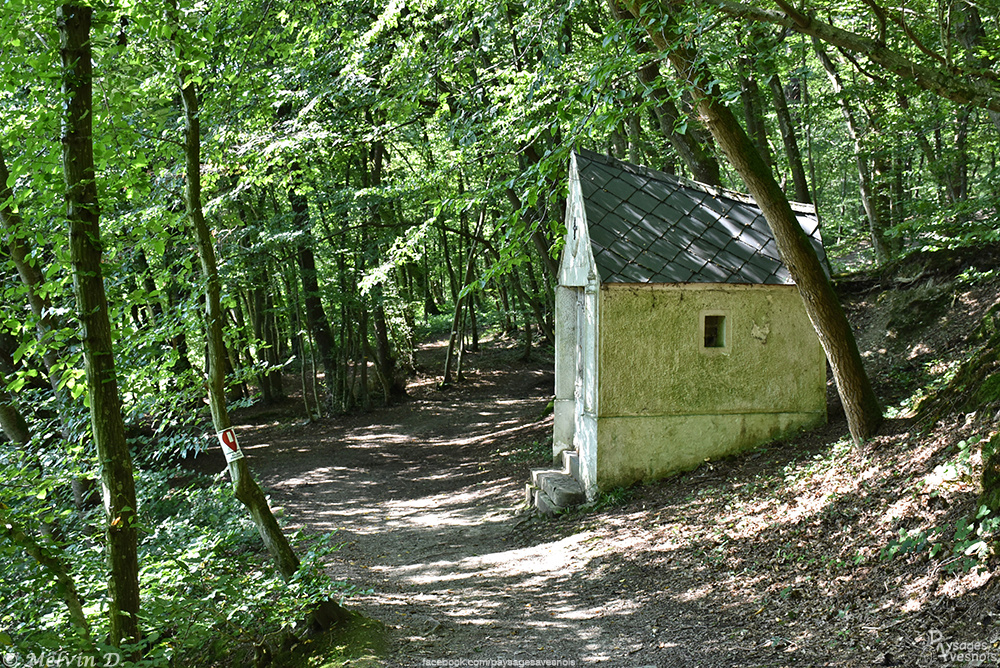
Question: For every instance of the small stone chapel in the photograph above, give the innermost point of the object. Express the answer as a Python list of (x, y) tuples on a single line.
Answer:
[(680, 336)]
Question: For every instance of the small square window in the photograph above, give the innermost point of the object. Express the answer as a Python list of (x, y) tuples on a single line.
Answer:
[(715, 331)]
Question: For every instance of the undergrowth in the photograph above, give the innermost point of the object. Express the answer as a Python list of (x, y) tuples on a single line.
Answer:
[(967, 543), (210, 594)]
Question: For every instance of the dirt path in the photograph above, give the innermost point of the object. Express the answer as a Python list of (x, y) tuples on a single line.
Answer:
[(426, 501), (724, 566), (772, 558)]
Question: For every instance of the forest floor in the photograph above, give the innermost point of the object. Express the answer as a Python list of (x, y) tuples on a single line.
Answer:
[(771, 558)]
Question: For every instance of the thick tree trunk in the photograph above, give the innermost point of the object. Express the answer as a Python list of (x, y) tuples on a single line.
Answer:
[(861, 406), (82, 213)]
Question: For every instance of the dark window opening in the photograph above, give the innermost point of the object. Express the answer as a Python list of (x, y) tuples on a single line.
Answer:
[(715, 331)]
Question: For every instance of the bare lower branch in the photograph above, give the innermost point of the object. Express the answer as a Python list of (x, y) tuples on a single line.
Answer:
[(949, 83)]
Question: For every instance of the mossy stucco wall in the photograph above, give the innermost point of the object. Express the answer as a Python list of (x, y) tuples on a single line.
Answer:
[(666, 402)]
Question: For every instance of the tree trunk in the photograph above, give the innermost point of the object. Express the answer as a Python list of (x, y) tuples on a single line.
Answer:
[(259, 318), (46, 326), (934, 164), (874, 205), (31, 275), (978, 91), (971, 33), (49, 556), (959, 172), (12, 422), (702, 164), (82, 213), (319, 325), (789, 140), (753, 110), (273, 342), (861, 406), (246, 489), (244, 486), (456, 321)]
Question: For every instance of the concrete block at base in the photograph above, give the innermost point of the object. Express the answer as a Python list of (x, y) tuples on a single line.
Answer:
[(571, 463), (538, 474), (564, 491), (529, 494), (545, 505)]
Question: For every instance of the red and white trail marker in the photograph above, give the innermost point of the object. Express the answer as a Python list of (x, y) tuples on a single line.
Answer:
[(230, 447)]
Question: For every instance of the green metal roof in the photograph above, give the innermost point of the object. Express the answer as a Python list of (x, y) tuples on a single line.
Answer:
[(647, 226)]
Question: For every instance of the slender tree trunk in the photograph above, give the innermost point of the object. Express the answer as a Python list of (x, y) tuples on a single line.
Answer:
[(861, 406), (943, 81), (788, 138), (362, 351), (930, 156), (456, 321), (83, 215), (960, 167), (537, 306), (384, 360), (273, 339), (702, 164), (244, 486), (46, 323), (49, 556), (753, 109), (971, 33), (31, 275), (870, 197), (259, 319), (473, 324), (319, 325)]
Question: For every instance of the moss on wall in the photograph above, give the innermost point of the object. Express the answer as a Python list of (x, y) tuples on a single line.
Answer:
[(667, 401), (653, 360)]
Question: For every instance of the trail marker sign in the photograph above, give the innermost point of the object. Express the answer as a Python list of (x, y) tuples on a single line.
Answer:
[(230, 447)]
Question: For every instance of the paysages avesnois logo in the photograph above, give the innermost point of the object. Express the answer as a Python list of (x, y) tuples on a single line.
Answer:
[(944, 650)]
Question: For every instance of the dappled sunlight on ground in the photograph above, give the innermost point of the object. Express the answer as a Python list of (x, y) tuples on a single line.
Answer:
[(769, 559)]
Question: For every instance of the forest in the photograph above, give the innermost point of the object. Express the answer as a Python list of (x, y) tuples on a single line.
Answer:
[(215, 206)]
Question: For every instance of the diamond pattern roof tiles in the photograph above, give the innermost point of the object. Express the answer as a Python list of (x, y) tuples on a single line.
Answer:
[(651, 227)]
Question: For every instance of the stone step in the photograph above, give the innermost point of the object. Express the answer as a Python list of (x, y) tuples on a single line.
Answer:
[(571, 463), (558, 487), (545, 505)]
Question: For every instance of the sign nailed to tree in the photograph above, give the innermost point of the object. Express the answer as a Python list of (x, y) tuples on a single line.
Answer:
[(229, 445)]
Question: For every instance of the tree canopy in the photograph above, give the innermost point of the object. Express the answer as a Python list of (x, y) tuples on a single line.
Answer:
[(372, 171)]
